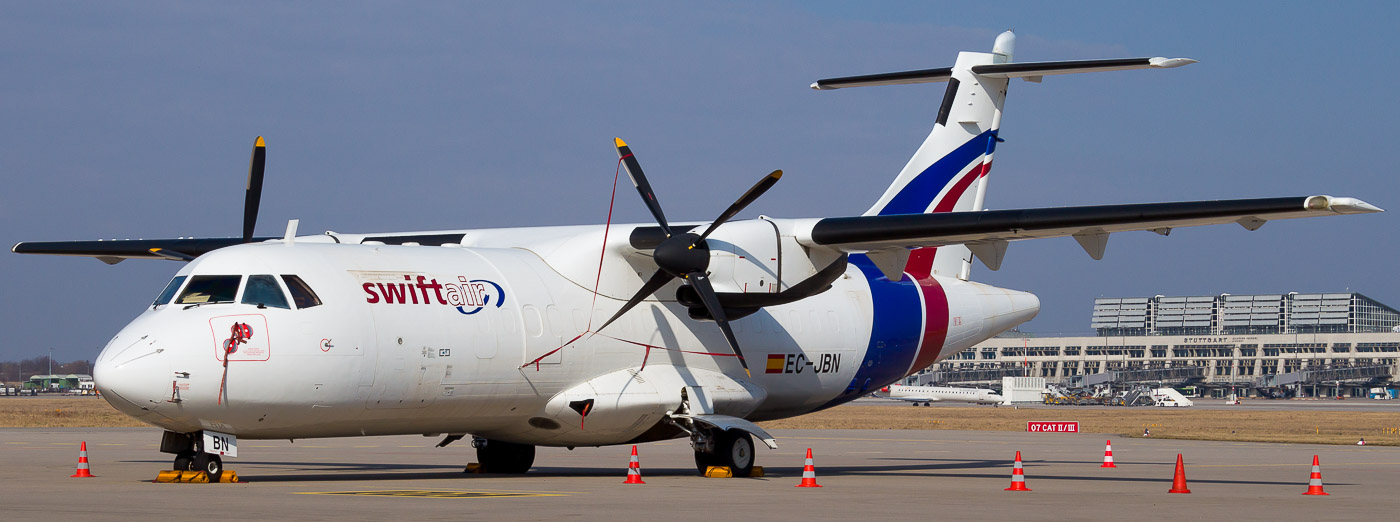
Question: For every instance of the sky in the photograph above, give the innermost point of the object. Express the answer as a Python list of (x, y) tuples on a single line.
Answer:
[(135, 120)]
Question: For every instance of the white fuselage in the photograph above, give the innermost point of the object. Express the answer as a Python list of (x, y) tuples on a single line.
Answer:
[(941, 394), (458, 339)]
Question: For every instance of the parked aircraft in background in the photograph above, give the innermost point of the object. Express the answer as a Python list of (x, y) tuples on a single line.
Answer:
[(927, 395), (607, 334)]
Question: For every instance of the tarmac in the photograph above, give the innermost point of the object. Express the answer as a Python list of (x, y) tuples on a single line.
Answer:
[(865, 474), (1354, 404)]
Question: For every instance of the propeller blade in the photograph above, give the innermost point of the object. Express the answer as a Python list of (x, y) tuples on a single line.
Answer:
[(658, 280), (253, 195), (639, 180), (758, 189), (701, 283)]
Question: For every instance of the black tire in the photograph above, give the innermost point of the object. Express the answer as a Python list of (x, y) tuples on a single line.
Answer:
[(505, 457), (184, 461), (212, 465), (703, 461), (734, 448)]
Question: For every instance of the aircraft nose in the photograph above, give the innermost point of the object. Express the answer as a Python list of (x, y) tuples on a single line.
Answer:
[(134, 377)]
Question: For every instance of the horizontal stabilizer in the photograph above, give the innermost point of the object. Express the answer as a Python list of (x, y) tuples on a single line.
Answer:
[(1028, 70), (894, 78), (1031, 69), (863, 233)]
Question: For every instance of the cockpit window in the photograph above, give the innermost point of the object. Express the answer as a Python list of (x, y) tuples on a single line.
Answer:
[(264, 291), (210, 289), (301, 292), (169, 292)]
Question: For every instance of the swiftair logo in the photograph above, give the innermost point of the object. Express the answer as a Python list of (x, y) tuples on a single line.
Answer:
[(468, 296)]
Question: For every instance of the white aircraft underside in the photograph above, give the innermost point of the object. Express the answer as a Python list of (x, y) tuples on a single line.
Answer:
[(519, 337)]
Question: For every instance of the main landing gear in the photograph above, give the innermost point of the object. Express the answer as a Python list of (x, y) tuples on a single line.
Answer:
[(729, 448), (189, 455), (503, 457)]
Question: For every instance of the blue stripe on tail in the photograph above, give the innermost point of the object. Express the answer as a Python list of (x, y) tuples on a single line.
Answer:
[(918, 194)]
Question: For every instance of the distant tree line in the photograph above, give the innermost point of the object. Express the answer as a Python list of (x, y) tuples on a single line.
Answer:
[(17, 371)]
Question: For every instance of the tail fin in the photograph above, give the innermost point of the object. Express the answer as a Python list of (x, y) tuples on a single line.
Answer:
[(949, 171)]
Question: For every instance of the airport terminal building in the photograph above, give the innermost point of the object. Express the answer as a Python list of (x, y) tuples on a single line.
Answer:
[(1275, 345)]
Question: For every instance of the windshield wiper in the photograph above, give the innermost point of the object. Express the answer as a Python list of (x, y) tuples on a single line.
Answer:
[(196, 305)]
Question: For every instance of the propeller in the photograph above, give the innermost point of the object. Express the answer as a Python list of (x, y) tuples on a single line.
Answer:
[(253, 194), (686, 256)]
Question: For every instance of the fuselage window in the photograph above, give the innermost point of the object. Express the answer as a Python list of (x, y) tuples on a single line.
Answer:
[(264, 291), (301, 292), (169, 292), (210, 289)]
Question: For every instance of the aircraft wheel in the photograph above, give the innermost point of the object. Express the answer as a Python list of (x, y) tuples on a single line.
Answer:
[(213, 465), (184, 461), (734, 448), (505, 457), (914, 404), (703, 461)]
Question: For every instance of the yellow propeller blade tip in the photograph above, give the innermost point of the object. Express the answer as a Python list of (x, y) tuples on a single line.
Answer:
[(154, 250), (259, 143), (619, 142), (777, 174)]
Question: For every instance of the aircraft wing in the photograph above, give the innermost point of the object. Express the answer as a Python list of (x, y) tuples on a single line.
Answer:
[(114, 251), (986, 233)]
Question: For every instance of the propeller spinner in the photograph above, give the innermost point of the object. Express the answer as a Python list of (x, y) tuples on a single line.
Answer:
[(686, 256)]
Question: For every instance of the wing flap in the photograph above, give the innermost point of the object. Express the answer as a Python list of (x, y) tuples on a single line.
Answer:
[(922, 230)]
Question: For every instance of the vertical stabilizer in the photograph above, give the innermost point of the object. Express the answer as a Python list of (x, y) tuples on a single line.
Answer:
[(949, 171)]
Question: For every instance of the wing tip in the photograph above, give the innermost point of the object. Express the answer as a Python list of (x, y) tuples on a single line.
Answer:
[(1168, 63), (1341, 205)]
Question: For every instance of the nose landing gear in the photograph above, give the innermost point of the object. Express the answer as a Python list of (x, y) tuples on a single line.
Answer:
[(189, 455), (211, 465)]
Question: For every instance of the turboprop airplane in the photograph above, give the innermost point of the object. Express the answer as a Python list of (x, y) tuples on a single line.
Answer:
[(606, 334), (927, 395)]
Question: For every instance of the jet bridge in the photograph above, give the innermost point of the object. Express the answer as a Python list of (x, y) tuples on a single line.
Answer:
[(1173, 375), (1333, 374)]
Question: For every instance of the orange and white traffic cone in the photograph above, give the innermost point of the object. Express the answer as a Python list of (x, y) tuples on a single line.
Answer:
[(1108, 455), (1315, 480), (634, 469), (1018, 476), (809, 473), (83, 470), (1179, 479)]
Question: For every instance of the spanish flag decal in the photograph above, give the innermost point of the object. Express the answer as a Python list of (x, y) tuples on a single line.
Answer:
[(775, 363)]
